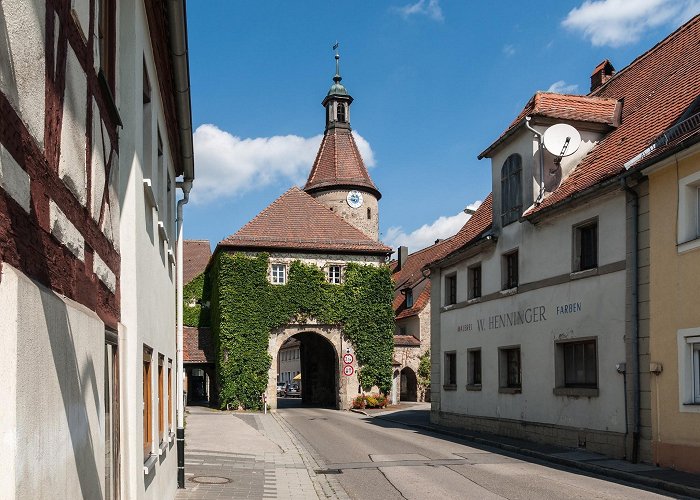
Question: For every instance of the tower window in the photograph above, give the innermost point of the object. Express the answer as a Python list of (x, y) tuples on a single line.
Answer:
[(369, 213), (341, 112)]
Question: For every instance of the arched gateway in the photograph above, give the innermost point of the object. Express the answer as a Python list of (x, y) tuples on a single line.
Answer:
[(323, 382)]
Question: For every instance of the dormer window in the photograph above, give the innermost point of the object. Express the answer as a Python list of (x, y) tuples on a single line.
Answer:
[(409, 298), (341, 112), (511, 190)]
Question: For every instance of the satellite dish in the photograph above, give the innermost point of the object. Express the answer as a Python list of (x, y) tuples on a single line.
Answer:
[(561, 140)]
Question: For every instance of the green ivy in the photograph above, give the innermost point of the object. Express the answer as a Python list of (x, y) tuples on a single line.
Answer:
[(195, 298), (245, 307)]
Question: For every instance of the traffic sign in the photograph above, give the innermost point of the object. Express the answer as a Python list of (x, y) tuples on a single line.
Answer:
[(348, 370), (348, 358)]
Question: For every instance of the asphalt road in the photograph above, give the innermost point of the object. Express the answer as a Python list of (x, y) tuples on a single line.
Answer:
[(378, 459)]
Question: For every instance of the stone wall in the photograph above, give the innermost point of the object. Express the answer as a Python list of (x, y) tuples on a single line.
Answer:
[(336, 200)]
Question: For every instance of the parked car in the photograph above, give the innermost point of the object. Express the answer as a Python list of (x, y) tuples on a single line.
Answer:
[(293, 391), (281, 388)]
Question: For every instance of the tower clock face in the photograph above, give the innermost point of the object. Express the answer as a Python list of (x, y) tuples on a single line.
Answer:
[(354, 199)]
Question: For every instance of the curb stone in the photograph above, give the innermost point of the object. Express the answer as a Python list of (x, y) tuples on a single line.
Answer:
[(659, 484)]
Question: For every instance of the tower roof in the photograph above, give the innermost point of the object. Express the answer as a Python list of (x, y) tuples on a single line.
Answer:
[(339, 164), (296, 221)]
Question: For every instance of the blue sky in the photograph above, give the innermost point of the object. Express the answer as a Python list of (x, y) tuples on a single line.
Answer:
[(434, 82)]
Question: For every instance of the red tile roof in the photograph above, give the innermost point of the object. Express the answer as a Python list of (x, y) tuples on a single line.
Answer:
[(406, 341), (296, 221), (339, 163), (561, 107), (656, 87), (198, 345), (410, 275), (475, 227), (196, 254)]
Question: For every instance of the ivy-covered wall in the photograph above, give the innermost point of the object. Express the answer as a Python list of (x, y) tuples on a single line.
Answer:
[(245, 307)]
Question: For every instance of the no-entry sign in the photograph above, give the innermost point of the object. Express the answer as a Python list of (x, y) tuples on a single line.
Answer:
[(348, 358), (348, 370)]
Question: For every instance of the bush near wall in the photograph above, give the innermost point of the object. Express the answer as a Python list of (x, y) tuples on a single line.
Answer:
[(245, 307)]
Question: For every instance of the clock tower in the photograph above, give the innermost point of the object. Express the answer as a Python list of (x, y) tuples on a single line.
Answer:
[(339, 178)]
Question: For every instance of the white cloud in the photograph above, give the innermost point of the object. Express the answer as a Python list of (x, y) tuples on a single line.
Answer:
[(508, 50), (228, 165), (561, 87), (430, 9), (443, 227), (620, 22)]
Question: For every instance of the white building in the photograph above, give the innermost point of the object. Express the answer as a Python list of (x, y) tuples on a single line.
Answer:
[(95, 131)]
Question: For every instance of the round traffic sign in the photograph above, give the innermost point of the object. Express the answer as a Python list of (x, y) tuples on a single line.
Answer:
[(348, 358), (348, 370)]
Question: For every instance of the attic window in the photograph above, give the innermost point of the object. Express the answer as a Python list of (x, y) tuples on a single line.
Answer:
[(341, 112), (511, 190), (409, 298)]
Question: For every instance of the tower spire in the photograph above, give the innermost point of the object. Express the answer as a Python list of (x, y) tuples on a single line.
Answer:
[(337, 78)]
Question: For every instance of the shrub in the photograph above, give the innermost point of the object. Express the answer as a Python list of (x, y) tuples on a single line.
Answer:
[(369, 401)]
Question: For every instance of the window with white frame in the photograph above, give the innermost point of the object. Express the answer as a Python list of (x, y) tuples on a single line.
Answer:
[(689, 209), (689, 369), (334, 274), (278, 274)]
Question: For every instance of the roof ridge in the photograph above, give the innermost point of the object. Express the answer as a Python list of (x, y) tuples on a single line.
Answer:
[(583, 96), (686, 25)]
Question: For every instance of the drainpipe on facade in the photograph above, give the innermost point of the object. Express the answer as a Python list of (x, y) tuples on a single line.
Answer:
[(540, 152), (185, 185), (634, 371)]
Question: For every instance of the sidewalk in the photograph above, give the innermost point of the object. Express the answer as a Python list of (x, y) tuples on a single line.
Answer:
[(249, 455), (417, 415)]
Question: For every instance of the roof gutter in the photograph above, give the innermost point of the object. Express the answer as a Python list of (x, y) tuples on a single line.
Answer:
[(177, 24), (485, 240)]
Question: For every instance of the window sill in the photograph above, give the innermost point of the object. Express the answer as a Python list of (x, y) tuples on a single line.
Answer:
[(474, 300), (576, 275), (449, 387), (148, 190), (149, 464), (162, 446), (688, 245), (510, 390), (474, 387), (171, 437), (510, 291), (162, 232), (588, 392)]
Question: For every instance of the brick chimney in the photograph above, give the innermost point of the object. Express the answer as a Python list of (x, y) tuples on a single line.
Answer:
[(601, 74), (403, 255)]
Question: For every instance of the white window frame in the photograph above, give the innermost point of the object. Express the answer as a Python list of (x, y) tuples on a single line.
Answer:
[(689, 370), (332, 278), (689, 212), (275, 277)]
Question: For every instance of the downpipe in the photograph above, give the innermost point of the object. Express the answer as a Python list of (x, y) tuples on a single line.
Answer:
[(634, 371), (540, 153), (186, 186)]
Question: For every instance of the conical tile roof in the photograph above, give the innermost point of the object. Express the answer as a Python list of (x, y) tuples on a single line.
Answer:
[(339, 164), (296, 221)]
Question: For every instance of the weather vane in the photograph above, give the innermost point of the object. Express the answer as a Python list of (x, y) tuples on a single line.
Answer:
[(337, 77)]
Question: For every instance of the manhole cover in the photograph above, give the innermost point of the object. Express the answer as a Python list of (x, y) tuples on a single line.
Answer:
[(210, 480)]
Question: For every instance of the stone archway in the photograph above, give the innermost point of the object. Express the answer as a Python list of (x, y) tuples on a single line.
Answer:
[(323, 382), (409, 385)]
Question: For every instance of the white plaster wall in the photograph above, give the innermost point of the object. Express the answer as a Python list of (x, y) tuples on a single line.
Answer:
[(51, 419), (147, 288), (23, 62), (14, 180), (601, 315), (71, 166)]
